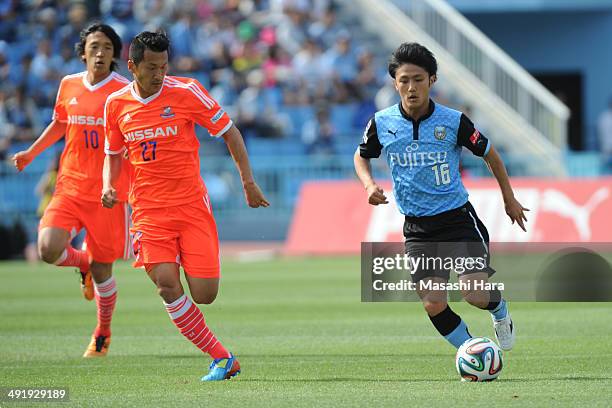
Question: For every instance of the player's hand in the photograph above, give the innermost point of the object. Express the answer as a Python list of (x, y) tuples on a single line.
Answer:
[(516, 212), (254, 196), (376, 195), (22, 159), (109, 197)]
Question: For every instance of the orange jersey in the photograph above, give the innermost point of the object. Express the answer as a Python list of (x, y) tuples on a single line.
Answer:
[(159, 134), (81, 106)]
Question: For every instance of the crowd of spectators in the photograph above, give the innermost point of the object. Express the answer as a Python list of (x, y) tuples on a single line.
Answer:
[(258, 58)]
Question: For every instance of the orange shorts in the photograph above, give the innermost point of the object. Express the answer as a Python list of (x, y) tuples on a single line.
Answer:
[(107, 237), (185, 234)]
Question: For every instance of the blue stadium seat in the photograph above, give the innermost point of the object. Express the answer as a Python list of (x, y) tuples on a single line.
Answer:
[(298, 115), (266, 147), (346, 146), (342, 116), (584, 164)]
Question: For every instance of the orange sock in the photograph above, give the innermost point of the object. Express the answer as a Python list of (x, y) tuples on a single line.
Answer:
[(106, 297), (190, 322), (73, 257)]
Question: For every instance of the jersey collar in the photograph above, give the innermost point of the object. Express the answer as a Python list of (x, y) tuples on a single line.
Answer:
[(430, 111), (145, 100), (99, 85)]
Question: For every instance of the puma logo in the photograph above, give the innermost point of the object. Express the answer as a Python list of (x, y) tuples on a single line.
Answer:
[(393, 133), (557, 202)]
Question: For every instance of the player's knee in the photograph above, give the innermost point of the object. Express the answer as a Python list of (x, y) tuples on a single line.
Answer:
[(48, 252), (101, 272), (475, 297), (169, 292), (467, 295), (204, 298), (434, 307)]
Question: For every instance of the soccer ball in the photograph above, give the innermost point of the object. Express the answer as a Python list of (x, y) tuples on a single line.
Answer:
[(479, 359)]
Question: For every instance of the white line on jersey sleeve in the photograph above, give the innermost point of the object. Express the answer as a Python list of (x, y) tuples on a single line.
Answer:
[(225, 129)]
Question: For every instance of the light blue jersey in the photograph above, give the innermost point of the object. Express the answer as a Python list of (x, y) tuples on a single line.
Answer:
[(424, 156)]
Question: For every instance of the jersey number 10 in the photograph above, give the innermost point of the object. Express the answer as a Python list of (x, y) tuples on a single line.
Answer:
[(91, 139)]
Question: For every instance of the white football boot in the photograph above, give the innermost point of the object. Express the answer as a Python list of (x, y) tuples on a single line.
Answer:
[(504, 332)]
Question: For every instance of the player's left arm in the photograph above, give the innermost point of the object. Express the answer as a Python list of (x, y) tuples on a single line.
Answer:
[(235, 144), (208, 114), (468, 136), (514, 209)]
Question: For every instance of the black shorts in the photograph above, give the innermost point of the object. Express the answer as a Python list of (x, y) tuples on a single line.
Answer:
[(453, 240)]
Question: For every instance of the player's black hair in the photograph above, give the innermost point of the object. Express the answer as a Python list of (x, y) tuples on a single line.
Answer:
[(412, 53), (156, 42), (106, 30)]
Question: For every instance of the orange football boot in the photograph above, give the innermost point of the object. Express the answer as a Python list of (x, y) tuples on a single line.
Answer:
[(86, 284), (98, 347)]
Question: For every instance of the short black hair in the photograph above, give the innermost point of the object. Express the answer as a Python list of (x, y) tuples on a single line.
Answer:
[(106, 30), (156, 42), (412, 53)]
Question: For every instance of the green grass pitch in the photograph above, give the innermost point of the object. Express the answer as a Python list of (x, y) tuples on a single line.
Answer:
[(303, 339)]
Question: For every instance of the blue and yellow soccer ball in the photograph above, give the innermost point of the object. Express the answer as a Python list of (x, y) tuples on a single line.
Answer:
[(479, 359)]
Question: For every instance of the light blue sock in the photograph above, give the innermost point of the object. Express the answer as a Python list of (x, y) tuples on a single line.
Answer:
[(458, 336), (501, 311)]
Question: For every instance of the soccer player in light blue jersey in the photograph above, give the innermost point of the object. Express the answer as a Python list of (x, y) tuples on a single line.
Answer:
[(422, 142)]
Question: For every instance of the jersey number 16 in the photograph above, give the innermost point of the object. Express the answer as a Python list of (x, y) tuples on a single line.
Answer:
[(442, 173)]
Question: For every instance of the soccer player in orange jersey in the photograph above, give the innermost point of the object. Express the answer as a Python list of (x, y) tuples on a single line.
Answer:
[(79, 115), (154, 118)]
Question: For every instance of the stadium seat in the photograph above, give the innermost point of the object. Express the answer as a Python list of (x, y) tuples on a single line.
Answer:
[(342, 117)]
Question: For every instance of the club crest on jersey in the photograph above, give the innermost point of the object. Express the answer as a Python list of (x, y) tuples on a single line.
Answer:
[(167, 113), (440, 132)]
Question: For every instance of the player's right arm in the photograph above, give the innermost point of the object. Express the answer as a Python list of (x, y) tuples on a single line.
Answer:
[(54, 132), (110, 174), (114, 147), (368, 149)]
